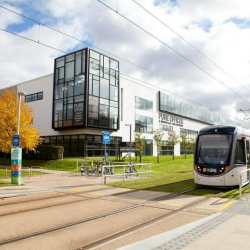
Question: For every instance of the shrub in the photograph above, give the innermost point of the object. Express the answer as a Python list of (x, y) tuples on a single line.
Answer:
[(45, 152)]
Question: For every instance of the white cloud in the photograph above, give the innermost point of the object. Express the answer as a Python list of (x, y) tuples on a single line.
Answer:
[(225, 43)]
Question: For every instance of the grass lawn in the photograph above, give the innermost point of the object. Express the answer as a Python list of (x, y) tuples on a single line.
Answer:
[(24, 173), (5, 183), (167, 171)]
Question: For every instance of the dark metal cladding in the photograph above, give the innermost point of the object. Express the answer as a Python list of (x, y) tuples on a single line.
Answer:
[(220, 129)]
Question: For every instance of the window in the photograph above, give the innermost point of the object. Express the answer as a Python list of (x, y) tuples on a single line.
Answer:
[(103, 91), (165, 128), (239, 157), (166, 149), (34, 97), (148, 149), (143, 124), (143, 104), (191, 134)]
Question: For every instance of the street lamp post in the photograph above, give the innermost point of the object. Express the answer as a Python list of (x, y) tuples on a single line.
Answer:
[(16, 152), (20, 94), (130, 148)]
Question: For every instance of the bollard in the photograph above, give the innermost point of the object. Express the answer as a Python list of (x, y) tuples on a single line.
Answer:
[(31, 172), (123, 173), (102, 175), (41, 172), (77, 166), (141, 171), (240, 188), (5, 173)]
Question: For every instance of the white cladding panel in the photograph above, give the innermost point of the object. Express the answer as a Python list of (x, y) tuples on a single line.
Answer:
[(43, 109)]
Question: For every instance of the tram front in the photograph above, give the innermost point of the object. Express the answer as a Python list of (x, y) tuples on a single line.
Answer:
[(213, 155)]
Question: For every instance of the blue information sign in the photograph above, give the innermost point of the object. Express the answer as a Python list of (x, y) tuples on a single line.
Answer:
[(15, 140), (105, 137), (106, 155)]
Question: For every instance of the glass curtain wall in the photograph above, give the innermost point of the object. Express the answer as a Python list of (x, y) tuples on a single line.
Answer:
[(83, 145), (69, 90), (103, 91), (180, 107)]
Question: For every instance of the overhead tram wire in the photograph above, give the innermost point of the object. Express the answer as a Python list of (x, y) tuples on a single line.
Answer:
[(125, 60), (184, 57), (191, 45), (48, 46), (244, 112)]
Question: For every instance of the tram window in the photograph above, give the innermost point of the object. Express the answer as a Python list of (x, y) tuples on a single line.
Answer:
[(239, 153)]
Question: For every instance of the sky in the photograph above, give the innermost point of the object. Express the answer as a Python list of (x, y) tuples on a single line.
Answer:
[(212, 69)]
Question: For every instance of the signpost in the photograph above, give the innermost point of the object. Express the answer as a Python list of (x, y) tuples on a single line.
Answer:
[(15, 140), (16, 166), (105, 141)]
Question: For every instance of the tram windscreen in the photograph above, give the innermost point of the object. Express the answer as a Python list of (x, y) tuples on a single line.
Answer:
[(213, 149)]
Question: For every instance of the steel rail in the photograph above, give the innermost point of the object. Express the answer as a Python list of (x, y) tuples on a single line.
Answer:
[(111, 237), (74, 223)]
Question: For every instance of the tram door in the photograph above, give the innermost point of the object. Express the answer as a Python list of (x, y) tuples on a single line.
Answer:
[(248, 153)]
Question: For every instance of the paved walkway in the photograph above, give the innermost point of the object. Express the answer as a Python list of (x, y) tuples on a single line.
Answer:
[(227, 230), (51, 181)]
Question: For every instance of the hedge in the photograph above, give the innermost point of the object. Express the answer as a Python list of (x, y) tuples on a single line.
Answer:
[(45, 152)]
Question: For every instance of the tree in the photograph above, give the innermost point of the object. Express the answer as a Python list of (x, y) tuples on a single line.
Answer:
[(140, 142), (158, 134), (192, 143), (173, 139), (184, 143), (29, 137)]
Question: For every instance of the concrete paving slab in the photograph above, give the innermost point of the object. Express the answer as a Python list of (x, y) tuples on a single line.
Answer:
[(180, 201), (162, 226), (229, 235), (216, 204), (160, 239), (142, 195)]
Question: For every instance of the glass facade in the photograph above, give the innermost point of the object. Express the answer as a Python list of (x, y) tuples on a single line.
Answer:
[(144, 124), (69, 90), (180, 107), (103, 92), (84, 99), (83, 145), (143, 104)]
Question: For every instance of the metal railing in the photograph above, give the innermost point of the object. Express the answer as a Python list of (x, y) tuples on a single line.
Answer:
[(29, 169), (123, 170), (241, 184)]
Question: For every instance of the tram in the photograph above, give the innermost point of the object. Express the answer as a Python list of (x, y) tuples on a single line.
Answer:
[(221, 153)]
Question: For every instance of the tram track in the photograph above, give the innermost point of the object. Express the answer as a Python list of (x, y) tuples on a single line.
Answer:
[(109, 238), (72, 202), (110, 213)]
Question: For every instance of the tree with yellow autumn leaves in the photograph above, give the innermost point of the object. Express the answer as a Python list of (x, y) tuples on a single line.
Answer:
[(29, 136)]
